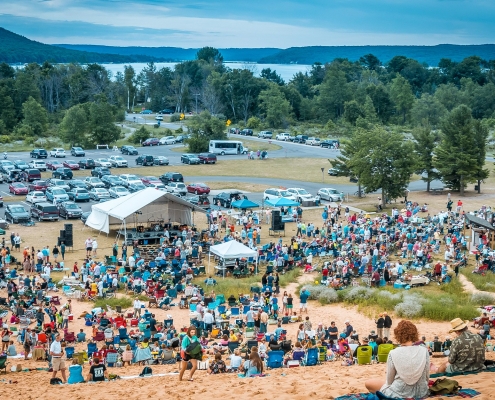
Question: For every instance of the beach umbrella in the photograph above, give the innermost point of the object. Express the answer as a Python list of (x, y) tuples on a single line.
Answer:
[(244, 203), (281, 202)]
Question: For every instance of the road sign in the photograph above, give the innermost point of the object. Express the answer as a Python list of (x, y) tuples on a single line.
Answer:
[(228, 122), (182, 116)]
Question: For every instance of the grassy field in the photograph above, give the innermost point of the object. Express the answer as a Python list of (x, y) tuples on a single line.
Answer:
[(481, 282)]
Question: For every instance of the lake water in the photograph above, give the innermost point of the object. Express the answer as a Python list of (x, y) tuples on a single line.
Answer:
[(286, 71)]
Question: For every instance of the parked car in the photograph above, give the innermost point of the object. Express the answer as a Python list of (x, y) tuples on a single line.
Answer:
[(76, 183), (103, 162), (62, 173), (100, 172), (135, 186), (53, 165), (98, 194), (274, 194), (85, 216), (247, 132), (36, 196), (30, 175), (144, 160), (160, 160), (159, 117), (77, 152), (38, 185), (20, 164), (329, 143), (129, 178), (7, 164), (313, 141), (1, 201), (301, 139), (177, 188), (59, 183), (111, 181), (38, 153), (12, 175), (44, 211), (207, 158), (118, 191), (158, 186), (129, 150), (148, 180), (54, 193), (118, 161), (69, 209), (78, 194), (146, 112), (40, 165), (87, 163), (336, 171), (181, 138), (16, 213), (225, 199), (198, 188), (57, 152), (301, 194), (189, 159), (283, 136), (93, 182), (234, 130), (18, 188), (330, 194), (167, 111), (73, 165), (151, 142), (167, 140), (171, 177), (265, 135)]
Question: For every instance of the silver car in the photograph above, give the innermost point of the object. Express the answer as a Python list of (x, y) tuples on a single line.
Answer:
[(98, 194), (118, 191), (330, 194)]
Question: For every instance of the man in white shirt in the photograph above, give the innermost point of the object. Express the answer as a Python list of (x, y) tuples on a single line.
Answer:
[(137, 307), (46, 272), (58, 363), (132, 261), (208, 321), (94, 244)]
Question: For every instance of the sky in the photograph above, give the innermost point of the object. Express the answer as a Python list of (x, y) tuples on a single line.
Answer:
[(253, 23)]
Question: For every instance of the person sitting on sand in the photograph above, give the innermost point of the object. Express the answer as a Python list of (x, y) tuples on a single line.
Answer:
[(254, 366), (75, 373), (127, 356), (98, 372), (235, 360), (218, 365), (407, 367), (467, 352)]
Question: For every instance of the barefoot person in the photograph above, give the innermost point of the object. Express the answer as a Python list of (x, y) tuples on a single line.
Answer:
[(57, 363), (189, 338), (407, 367)]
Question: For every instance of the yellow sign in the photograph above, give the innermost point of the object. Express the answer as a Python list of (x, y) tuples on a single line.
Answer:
[(182, 116), (228, 122)]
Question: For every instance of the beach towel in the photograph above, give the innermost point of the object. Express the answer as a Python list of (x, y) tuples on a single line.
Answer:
[(253, 376), (464, 393), (462, 373)]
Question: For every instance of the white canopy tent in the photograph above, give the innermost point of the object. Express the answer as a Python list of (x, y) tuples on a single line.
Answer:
[(233, 249), (141, 207)]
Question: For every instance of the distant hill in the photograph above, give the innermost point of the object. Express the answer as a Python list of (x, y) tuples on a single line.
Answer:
[(424, 54), (174, 53), (18, 49)]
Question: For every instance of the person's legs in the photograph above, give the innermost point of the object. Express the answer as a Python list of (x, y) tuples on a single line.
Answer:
[(374, 385), (194, 368), (440, 368), (183, 367)]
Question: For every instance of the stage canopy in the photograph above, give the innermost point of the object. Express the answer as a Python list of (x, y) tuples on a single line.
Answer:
[(146, 205)]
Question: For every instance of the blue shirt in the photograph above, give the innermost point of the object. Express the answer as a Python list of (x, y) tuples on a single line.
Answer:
[(75, 374), (303, 297)]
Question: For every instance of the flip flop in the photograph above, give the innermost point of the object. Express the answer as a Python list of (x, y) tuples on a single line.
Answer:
[(190, 379)]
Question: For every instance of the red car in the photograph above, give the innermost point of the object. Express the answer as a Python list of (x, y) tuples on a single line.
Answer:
[(198, 188), (53, 165), (151, 142), (38, 185), (71, 164), (148, 180), (18, 188)]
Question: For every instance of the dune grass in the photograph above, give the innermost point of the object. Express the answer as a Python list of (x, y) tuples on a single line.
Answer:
[(481, 282), (124, 302)]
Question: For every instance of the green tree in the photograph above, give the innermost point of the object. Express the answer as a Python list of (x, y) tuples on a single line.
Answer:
[(402, 96), (370, 61), (334, 92), (140, 135), (352, 111), (428, 108), (203, 128), (74, 126), (101, 122), (382, 160), (35, 117), (457, 154), (425, 141), (272, 76), (480, 138), (275, 107), (381, 101), (210, 55)]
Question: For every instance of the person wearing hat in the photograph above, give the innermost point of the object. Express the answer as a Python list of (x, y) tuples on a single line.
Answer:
[(467, 352), (366, 343)]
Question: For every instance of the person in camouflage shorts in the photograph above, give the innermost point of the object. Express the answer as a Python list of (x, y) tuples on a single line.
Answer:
[(467, 352)]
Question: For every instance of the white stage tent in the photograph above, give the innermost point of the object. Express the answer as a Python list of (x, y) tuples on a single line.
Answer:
[(233, 249), (146, 205)]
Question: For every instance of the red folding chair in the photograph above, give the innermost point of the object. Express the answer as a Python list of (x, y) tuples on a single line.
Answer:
[(159, 294), (55, 301), (69, 337), (100, 337)]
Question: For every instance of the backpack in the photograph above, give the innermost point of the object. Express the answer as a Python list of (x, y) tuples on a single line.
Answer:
[(56, 381), (444, 386), (147, 371)]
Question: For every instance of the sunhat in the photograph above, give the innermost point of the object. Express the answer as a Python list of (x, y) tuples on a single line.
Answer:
[(458, 324)]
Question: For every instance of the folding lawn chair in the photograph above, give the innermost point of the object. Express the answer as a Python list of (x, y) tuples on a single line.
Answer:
[(383, 351), (275, 359), (364, 355), (311, 358)]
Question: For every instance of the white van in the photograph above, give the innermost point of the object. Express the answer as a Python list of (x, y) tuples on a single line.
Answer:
[(274, 194)]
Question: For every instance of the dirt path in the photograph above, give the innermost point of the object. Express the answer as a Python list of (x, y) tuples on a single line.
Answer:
[(469, 286), (303, 278)]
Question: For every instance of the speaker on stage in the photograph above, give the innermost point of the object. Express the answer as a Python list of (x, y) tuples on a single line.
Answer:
[(68, 228), (276, 220)]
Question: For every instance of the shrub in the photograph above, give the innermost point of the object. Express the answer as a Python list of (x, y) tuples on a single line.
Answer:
[(482, 299), (175, 118), (253, 123), (139, 136), (156, 126), (329, 295), (4, 139), (359, 293), (124, 302), (408, 309)]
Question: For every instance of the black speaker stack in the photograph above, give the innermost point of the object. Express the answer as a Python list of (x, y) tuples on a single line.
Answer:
[(277, 224), (66, 236)]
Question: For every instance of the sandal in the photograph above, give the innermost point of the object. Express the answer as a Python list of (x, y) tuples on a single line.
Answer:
[(190, 379)]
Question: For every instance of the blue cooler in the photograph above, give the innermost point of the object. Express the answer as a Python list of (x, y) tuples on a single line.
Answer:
[(398, 285)]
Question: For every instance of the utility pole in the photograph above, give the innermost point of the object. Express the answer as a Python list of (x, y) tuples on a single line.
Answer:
[(196, 95)]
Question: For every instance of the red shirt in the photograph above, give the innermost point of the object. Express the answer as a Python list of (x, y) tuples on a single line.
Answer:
[(76, 269)]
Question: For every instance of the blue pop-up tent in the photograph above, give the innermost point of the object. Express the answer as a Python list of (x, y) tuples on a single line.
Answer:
[(282, 202), (244, 203)]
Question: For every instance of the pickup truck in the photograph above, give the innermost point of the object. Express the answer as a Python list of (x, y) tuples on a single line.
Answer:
[(283, 136)]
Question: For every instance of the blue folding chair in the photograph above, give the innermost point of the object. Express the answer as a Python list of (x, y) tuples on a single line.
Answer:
[(69, 352), (212, 305), (234, 311), (220, 298), (192, 307), (133, 344), (168, 323), (147, 334), (221, 309), (123, 334), (92, 348), (246, 309), (275, 359), (172, 293), (312, 356), (116, 339)]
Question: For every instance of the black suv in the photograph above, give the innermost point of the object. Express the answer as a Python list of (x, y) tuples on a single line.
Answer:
[(62, 173), (38, 153), (87, 163), (171, 177), (44, 210), (100, 172), (247, 132), (145, 160), (111, 181), (300, 139), (15, 213), (129, 150), (69, 209), (225, 199)]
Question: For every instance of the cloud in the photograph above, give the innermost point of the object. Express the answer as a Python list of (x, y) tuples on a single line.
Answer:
[(256, 23)]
